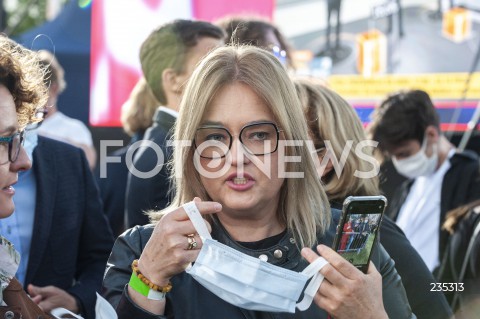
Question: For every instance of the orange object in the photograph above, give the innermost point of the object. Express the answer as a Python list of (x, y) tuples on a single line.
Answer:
[(371, 52), (147, 282), (457, 24), (301, 58)]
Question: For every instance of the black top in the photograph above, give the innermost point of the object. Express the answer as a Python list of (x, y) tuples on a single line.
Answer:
[(144, 194), (113, 187)]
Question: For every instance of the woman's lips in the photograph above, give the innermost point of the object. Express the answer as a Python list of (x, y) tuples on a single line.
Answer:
[(240, 183), (9, 190)]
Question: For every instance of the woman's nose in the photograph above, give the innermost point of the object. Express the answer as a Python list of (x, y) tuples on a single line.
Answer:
[(238, 153), (22, 163)]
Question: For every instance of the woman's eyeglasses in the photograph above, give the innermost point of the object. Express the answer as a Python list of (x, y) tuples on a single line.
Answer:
[(257, 139), (10, 147)]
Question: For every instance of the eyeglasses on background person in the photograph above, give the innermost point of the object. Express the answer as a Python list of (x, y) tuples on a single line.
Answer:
[(12, 143), (214, 141), (280, 54)]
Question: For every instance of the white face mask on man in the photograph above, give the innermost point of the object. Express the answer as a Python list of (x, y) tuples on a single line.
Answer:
[(419, 164), (249, 282)]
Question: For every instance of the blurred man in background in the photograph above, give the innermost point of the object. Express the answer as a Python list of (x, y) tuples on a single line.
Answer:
[(168, 57)]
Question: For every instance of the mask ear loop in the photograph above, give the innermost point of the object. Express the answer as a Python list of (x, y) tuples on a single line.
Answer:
[(312, 270), (197, 220)]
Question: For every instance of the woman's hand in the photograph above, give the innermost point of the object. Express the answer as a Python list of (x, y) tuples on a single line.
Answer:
[(346, 292), (166, 253)]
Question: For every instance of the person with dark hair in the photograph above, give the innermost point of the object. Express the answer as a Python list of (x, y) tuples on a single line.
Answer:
[(259, 32), (406, 125), (168, 57)]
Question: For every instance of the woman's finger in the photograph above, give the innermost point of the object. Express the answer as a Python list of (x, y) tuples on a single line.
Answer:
[(341, 265), (372, 270), (204, 208), (325, 299), (328, 271), (193, 242)]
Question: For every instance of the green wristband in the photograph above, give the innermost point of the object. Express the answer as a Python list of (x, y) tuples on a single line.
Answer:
[(143, 289), (138, 285)]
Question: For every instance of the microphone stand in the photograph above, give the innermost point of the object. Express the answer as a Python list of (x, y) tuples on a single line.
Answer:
[(338, 52)]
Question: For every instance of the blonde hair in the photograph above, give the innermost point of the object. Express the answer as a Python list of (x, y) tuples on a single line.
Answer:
[(303, 205), (454, 216), (22, 74), (330, 117), (138, 110)]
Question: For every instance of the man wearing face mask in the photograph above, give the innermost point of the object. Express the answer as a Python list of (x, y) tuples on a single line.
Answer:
[(440, 178)]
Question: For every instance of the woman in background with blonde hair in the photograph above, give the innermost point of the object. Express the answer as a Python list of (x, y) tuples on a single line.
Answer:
[(333, 124), (137, 116)]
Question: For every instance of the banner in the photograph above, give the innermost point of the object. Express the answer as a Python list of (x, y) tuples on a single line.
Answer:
[(118, 29)]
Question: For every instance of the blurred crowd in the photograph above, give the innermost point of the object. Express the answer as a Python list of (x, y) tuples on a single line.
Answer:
[(228, 89)]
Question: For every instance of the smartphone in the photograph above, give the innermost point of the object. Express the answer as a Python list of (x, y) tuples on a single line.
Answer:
[(357, 230)]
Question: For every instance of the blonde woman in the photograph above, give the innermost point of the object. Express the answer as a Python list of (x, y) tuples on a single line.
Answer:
[(239, 120), (330, 118)]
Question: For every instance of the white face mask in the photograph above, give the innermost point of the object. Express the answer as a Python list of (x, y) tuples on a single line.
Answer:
[(249, 282), (418, 164)]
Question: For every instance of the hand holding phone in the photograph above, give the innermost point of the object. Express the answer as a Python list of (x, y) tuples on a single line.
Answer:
[(358, 228)]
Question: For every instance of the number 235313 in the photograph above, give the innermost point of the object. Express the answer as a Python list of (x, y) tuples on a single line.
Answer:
[(446, 286)]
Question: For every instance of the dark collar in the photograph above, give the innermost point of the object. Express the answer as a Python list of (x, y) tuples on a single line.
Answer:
[(163, 118), (285, 253)]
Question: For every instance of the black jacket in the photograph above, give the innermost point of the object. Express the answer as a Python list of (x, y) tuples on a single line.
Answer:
[(188, 299), (144, 194), (461, 185), (114, 185)]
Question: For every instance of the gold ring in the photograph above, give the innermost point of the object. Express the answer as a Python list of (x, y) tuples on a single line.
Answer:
[(192, 243)]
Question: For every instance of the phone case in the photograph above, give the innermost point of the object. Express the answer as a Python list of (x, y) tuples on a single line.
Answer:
[(352, 238)]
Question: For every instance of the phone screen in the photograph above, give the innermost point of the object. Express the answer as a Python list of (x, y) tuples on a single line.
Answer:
[(358, 230)]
